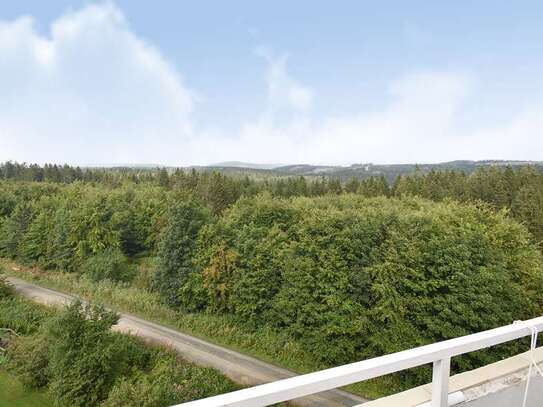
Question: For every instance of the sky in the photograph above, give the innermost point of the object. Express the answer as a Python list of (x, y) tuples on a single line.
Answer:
[(317, 82)]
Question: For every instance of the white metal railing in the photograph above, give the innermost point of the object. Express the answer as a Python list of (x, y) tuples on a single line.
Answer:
[(438, 353)]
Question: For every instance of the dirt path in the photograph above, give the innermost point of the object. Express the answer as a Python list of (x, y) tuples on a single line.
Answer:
[(240, 368)]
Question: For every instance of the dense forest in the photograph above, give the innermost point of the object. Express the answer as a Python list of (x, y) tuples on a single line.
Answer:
[(350, 269)]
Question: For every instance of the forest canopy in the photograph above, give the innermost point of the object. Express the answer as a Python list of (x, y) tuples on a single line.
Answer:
[(350, 270)]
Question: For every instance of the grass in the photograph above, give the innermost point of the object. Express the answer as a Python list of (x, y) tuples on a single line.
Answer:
[(263, 343), (13, 394)]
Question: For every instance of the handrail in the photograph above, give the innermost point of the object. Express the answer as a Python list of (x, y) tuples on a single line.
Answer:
[(438, 353)]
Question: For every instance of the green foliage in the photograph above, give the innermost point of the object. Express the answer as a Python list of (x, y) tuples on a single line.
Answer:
[(21, 316), (14, 229), (527, 206), (85, 360), (61, 227), (14, 394), (61, 251), (354, 278), (169, 382), (29, 360), (176, 248), (27, 355), (92, 229), (82, 362), (34, 243), (109, 264), (343, 276), (193, 295), (6, 290), (518, 189)]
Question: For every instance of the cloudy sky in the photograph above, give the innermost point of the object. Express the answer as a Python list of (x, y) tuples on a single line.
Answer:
[(180, 83)]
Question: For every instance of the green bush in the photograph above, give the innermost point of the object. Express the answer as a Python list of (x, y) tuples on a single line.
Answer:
[(27, 353), (85, 360), (22, 316), (111, 265), (28, 358), (169, 382)]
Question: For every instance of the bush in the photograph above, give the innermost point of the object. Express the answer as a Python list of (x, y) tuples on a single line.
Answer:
[(111, 265), (169, 382), (85, 360), (28, 357), (22, 316)]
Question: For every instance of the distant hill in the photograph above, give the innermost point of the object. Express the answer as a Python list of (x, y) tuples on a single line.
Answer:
[(240, 164), (122, 165), (343, 173), (360, 171)]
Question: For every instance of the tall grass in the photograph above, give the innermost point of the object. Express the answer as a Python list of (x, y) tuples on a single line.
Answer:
[(14, 394)]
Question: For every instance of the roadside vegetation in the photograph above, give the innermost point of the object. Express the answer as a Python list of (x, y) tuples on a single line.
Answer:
[(71, 356), (318, 274)]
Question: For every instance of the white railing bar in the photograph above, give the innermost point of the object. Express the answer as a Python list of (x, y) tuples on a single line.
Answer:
[(440, 382), (312, 383)]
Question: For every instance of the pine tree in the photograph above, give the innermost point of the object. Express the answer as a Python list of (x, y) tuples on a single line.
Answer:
[(14, 229), (352, 186), (176, 248)]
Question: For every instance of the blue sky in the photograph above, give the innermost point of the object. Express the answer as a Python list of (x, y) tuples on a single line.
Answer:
[(184, 83)]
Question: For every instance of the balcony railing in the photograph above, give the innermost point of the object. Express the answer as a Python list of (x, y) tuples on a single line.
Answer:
[(439, 353)]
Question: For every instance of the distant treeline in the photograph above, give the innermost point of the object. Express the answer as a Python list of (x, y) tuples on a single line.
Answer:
[(517, 190)]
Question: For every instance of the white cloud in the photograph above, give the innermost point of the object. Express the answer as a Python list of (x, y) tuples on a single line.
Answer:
[(521, 139), (422, 122), (283, 90), (420, 116), (90, 91)]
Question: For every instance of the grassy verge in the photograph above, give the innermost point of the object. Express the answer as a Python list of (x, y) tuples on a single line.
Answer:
[(263, 343), (13, 394)]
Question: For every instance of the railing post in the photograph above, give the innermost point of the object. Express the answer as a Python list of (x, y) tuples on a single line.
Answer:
[(440, 382)]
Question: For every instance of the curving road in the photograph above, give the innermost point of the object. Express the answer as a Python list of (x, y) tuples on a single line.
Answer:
[(240, 368)]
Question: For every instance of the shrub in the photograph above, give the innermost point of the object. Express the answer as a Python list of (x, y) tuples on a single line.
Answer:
[(170, 381), (193, 296), (22, 316), (28, 357), (111, 265), (85, 360)]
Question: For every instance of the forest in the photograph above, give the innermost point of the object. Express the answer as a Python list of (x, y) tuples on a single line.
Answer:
[(346, 270)]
